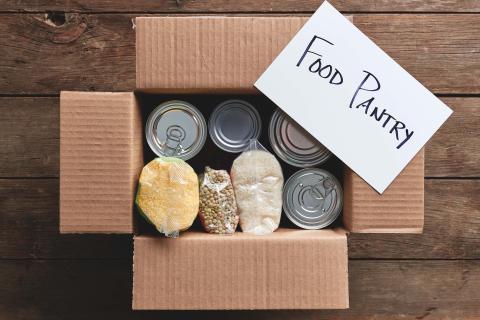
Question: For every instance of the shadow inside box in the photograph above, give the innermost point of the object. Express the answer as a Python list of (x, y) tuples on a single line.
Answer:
[(233, 314), (216, 158)]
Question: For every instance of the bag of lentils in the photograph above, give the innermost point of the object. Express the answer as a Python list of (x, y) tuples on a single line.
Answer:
[(218, 208)]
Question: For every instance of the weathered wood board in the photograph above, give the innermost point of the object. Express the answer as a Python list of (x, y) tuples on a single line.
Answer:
[(97, 51), (220, 6), (48, 46)]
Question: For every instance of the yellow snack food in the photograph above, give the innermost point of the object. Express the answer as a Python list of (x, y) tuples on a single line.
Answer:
[(167, 195)]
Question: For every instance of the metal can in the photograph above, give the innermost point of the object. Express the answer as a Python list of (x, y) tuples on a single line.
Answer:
[(293, 144), (312, 198), (176, 129), (232, 124)]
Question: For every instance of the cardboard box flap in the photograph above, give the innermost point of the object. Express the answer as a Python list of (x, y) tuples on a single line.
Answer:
[(288, 269), (100, 156), (195, 53), (400, 209)]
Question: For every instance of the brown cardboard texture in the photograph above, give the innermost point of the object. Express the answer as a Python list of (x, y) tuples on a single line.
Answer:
[(288, 269), (400, 209), (197, 53), (101, 154), (100, 157)]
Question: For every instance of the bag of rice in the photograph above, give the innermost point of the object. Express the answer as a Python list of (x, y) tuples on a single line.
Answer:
[(167, 195), (257, 180), (218, 208)]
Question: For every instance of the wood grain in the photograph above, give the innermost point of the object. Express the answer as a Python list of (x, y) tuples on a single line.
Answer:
[(29, 227), (89, 276), (379, 289), (30, 139), (452, 224), (218, 6), (454, 151), (97, 52)]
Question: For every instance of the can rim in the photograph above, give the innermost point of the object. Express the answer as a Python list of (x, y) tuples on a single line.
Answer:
[(187, 108), (291, 158), (215, 135), (332, 217)]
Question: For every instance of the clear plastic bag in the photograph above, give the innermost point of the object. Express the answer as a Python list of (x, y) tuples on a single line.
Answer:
[(218, 208), (167, 195), (257, 180)]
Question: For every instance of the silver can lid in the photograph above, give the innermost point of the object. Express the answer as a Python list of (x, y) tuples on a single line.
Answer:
[(176, 129), (293, 144), (233, 124), (312, 198)]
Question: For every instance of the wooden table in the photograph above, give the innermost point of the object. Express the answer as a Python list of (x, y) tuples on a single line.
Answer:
[(48, 46)]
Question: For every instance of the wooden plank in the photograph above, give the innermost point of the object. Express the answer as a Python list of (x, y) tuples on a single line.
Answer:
[(435, 49), (452, 221), (379, 289), (29, 226), (183, 6), (88, 52), (96, 52), (454, 150), (30, 139)]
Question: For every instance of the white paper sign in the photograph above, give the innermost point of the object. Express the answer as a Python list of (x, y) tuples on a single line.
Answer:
[(352, 97)]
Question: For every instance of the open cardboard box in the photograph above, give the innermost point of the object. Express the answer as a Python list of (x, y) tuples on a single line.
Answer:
[(102, 151)]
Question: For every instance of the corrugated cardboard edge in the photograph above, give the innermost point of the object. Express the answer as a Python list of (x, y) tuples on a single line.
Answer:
[(288, 269), (200, 53), (100, 157), (400, 209)]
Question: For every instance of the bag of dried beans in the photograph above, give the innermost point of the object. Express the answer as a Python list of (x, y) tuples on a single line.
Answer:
[(218, 208)]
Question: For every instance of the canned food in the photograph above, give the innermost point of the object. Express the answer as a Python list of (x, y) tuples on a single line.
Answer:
[(176, 129), (312, 198), (293, 144), (232, 124)]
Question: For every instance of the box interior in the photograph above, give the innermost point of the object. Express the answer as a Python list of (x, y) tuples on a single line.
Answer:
[(254, 271), (213, 156)]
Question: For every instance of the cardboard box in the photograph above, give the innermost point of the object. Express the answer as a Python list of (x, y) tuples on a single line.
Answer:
[(398, 210), (102, 152), (100, 159), (288, 269)]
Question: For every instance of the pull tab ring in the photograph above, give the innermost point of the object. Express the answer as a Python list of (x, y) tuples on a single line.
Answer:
[(322, 190), (175, 135)]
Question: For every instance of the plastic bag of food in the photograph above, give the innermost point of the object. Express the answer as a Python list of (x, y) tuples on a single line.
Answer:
[(257, 180), (218, 209), (167, 195)]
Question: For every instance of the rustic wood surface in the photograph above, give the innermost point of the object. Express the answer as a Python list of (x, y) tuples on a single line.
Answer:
[(222, 6), (48, 46), (44, 54)]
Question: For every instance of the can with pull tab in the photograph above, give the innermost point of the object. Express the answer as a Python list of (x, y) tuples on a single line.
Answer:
[(312, 198), (176, 129)]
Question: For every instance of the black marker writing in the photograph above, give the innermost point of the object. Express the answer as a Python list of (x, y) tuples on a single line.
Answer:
[(314, 58), (325, 71), (371, 84)]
